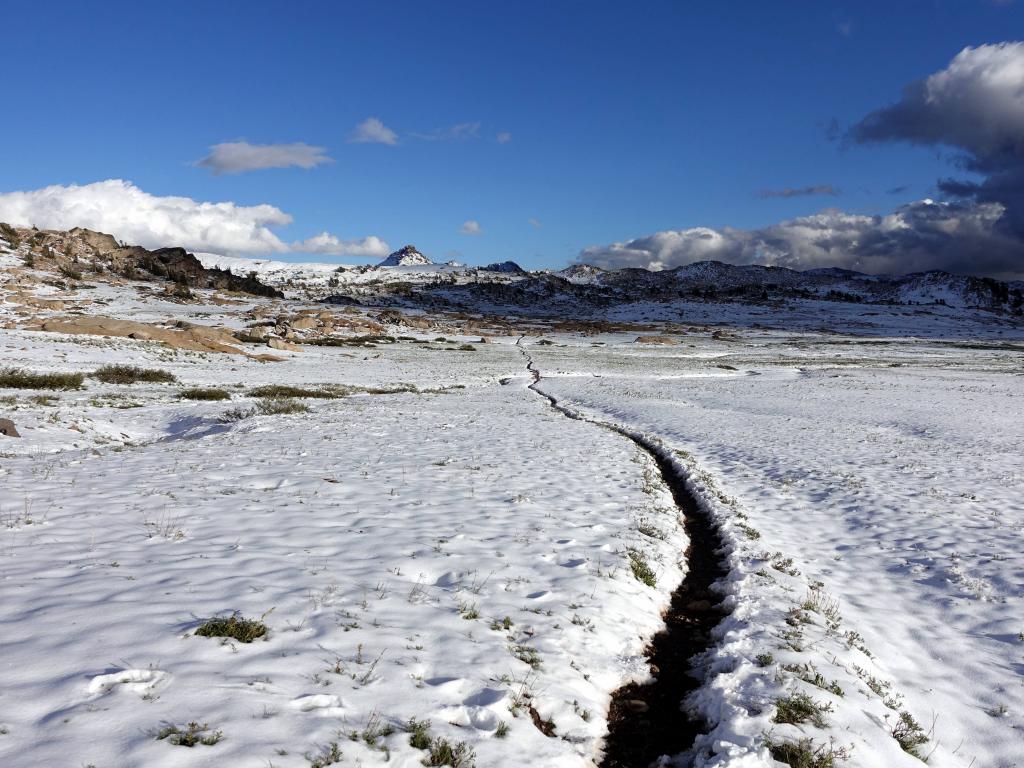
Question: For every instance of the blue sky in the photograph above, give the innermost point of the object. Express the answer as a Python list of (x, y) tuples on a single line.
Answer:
[(622, 119)]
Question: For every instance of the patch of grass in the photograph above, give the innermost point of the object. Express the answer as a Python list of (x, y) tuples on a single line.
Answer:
[(234, 626), (809, 674), (440, 751), (641, 568), (131, 374), (282, 390), (909, 734), (805, 753), (764, 659), (274, 406), (330, 756), (15, 378), (204, 393), (419, 733), (527, 655), (45, 400), (800, 708), (193, 734), (443, 752), (502, 730)]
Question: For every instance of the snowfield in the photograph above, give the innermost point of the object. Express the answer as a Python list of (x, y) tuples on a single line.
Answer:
[(436, 543)]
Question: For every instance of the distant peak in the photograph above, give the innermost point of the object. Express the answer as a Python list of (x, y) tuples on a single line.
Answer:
[(405, 257)]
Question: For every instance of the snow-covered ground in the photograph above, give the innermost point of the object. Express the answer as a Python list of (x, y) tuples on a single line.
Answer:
[(891, 476), (457, 551)]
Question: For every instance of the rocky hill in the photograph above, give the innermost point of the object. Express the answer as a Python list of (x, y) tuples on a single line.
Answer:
[(405, 257), (79, 252)]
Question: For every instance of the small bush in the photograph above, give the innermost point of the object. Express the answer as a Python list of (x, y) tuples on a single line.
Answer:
[(641, 568), (130, 374), (204, 393), (10, 234), (801, 708), (14, 378), (419, 733), (443, 752), (274, 406), (281, 391), (234, 626), (69, 272), (909, 733), (805, 754), (193, 734)]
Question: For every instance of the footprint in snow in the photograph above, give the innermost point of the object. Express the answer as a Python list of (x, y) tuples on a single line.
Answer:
[(324, 704), (140, 681)]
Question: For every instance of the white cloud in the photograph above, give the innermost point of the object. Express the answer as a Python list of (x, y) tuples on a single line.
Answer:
[(504, 137), (372, 131), (961, 237), (241, 156), (458, 132), (331, 245), (470, 227), (125, 211), (535, 223)]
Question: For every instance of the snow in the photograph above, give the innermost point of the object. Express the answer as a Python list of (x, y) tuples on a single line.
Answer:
[(896, 490), (863, 464)]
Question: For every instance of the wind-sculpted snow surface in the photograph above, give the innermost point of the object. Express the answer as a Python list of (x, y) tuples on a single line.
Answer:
[(457, 558), (874, 494)]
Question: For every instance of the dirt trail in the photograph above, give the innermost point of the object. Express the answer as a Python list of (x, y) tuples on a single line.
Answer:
[(646, 721)]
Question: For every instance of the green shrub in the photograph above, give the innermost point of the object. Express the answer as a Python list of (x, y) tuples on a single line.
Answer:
[(282, 390), (641, 568), (800, 708), (805, 753), (193, 734), (909, 733), (233, 626), (131, 374), (204, 393), (15, 378), (274, 406)]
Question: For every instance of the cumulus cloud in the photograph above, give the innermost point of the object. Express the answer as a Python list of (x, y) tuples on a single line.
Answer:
[(470, 227), (331, 245), (816, 189), (241, 156), (976, 106), (125, 211), (961, 236), (372, 131)]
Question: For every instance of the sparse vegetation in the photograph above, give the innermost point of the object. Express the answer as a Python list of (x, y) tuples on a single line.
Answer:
[(274, 406), (193, 734), (131, 374), (15, 378), (641, 568), (277, 391), (909, 734), (204, 393), (800, 708), (805, 753), (234, 626), (440, 751)]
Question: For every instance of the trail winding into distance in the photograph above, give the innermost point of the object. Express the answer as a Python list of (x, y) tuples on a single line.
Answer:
[(646, 721)]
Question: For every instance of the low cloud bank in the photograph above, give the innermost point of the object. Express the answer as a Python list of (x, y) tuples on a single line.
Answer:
[(134, 216)]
